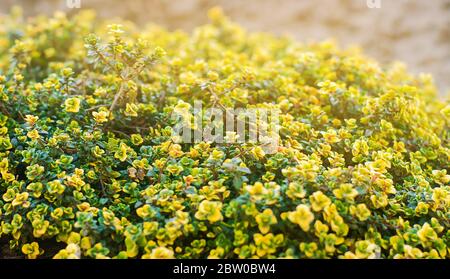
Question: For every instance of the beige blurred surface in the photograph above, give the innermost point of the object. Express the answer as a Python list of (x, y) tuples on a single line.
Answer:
[(416, 32)]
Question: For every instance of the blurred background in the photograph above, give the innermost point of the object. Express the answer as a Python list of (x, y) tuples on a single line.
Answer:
[(416, 32)]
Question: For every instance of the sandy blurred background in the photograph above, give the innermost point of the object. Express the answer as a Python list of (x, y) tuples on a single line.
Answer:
[(416, 32)]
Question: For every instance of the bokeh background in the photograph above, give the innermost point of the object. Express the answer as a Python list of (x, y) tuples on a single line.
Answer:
[(416, 32)]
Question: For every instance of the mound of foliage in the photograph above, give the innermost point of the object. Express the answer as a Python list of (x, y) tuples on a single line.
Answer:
[(89, 167)]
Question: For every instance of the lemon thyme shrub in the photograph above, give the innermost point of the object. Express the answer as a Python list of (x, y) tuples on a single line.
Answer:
[(89, 167)]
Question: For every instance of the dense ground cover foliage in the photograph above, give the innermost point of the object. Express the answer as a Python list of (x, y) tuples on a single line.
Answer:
[(88, 163)]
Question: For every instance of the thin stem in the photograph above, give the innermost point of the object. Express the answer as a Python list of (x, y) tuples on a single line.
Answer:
[(116, 97), (95, 107)]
